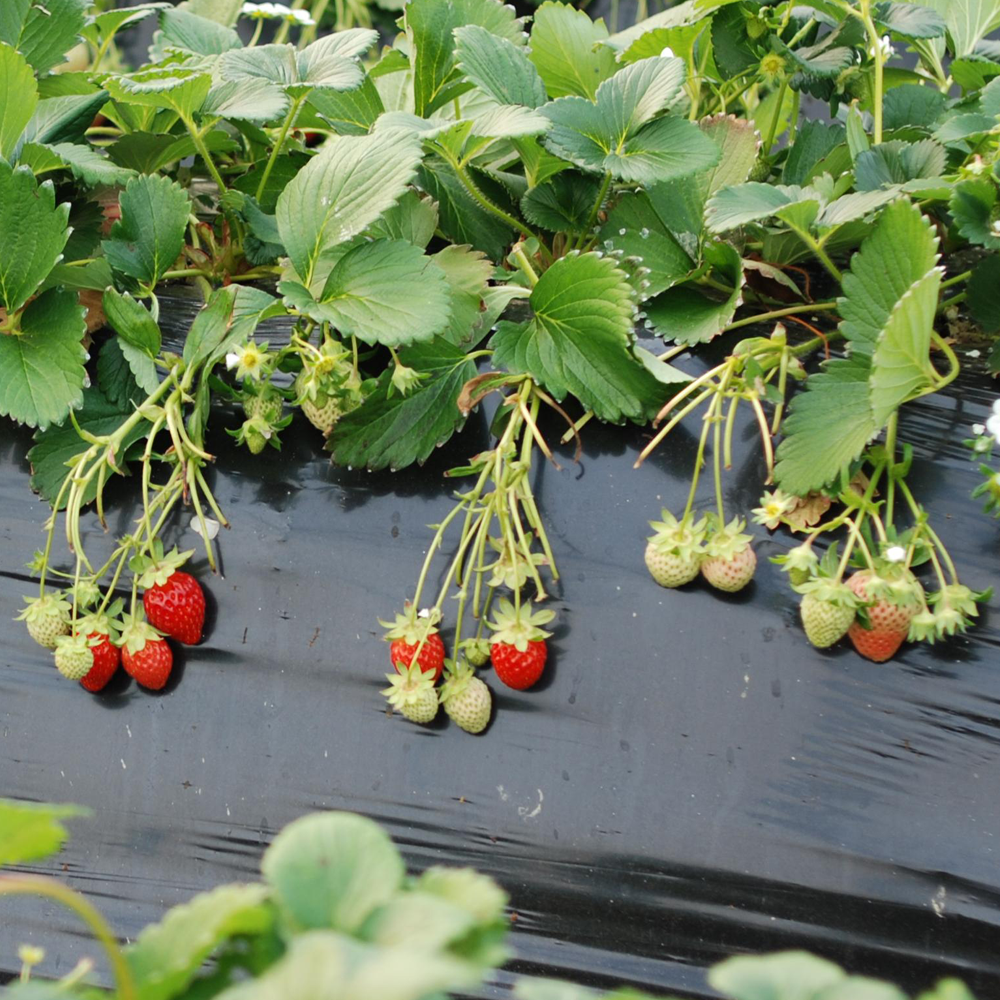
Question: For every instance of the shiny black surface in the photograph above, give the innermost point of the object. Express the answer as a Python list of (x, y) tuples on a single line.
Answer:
[(691, 779)]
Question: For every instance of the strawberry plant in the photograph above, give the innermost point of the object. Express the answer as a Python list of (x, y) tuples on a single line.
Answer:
[(337, 911), (494, 205)]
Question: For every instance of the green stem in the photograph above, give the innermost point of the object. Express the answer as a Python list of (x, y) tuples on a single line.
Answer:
[(814, 245), (778, 313), (594, 212), (481, 199), (958, 279), (876, 43), (36, 885), (775, 118), (293, 113), (890, 449), (199, 144)]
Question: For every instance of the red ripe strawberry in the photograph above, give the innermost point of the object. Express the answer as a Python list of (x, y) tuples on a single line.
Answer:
[(519, 650), (409, 631), (430, 658), (107, 656), (177, 607), (174, 601), (145, 654), (888, 616), (517, 669)]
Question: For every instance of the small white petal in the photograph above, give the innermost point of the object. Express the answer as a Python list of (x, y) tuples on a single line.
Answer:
[(978, 429), (996, 406), (972, 354), (667, 52), (232, 360), (424, 613), (895, 554), (210, 523)]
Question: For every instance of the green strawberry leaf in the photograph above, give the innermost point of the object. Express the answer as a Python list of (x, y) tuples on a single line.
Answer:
[(257, 101), (87, 164), (341, 192), (384, 292), (412, 218), (33, 234), (910, 20), (349, 112), (30, 832), (43, 33), (149, 237), (166, 957), (125, 374), (41, 368), (467, 272), (912, 105), (972, 206), (984, 303), (563, 203), (566, 51), (18, 99), (616, 132), (635, 228), (498, 67), (896, 162), (430, 25), (211, 328), (901, 366), (132, 321), (900, 251), (580, 340), (331, 870), (64, 119), (180, 29), (751, 202), (462, 219), (55, 446), (685, 315), (392, 431), (787, 975), (887, 311), (173, 88)]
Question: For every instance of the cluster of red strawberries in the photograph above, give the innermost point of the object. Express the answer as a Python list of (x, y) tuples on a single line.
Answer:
[(173, 605), (517, 650)]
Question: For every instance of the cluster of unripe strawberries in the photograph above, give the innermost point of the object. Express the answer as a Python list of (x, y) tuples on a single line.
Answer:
[(517, 650), (90, 648)]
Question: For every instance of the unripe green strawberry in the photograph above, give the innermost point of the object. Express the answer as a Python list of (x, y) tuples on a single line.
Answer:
[(321, 410), (669, 569), (729, 561), (423, 708), (466, 699), (827, 611), (73, 656), (675, 551), (412, 692), (266, 404), (477, 651), (47, 618)]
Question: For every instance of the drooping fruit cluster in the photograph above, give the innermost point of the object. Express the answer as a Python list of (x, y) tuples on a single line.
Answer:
[(484, 565), (328, 385), (678, 551), (91, 648)]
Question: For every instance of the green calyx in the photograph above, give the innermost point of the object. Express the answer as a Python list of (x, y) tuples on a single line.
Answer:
[(519, 626), (136, 632), (800, 563), (411, 626), (45, 608), (457, 677), (684, 538), (831, 591), (511, 568), (728, 541), (891, 582), (477, 651), (156, 568), (408, 686), (105, 623)]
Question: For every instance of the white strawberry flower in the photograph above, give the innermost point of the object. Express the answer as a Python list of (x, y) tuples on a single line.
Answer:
[(300, 17), (979, 429), (895, 554), (993, 426), (885, 44), (996, 407)]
